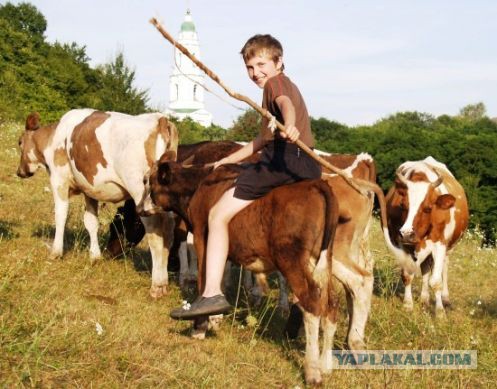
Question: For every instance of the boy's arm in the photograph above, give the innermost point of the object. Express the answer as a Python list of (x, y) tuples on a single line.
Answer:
[(287, 110), (245, 152)]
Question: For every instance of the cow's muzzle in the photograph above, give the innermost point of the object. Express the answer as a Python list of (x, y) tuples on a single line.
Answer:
[(409, 237), (146, 207), (23, 174)]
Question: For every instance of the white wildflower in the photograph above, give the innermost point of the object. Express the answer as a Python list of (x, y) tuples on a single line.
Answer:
[(99, 328), (472, 312), (186, 305), (478, 302)]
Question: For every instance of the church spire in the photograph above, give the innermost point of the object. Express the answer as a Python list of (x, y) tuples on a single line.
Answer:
[(186, 94)]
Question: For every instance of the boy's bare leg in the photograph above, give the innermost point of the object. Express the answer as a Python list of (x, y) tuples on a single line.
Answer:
[(218, 240), (212, 301)]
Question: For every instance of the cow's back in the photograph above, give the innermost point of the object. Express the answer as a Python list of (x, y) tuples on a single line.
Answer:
[(460, 212), (110, 152)]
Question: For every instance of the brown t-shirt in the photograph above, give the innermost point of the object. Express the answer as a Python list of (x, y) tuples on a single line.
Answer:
[(280, 85)]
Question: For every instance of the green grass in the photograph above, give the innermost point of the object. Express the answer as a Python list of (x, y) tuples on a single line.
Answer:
[(49, 310)]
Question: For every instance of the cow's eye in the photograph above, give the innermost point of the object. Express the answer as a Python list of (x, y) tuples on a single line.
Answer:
[(427, 209)]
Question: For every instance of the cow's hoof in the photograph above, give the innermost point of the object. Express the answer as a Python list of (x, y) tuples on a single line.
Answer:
[(425, 302), (56, 255), (94, 260), (357, 344), (446, 302), (215, 322), (198, 334), (157, 292), (440, 314), (408, 306), (313, 376)]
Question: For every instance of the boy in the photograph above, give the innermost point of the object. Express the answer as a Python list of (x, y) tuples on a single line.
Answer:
[(282, 162)]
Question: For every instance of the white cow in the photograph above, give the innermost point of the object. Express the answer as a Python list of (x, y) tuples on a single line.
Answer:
[(105, 156)]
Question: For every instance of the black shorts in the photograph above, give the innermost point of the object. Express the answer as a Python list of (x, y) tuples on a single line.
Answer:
[(281, 163)]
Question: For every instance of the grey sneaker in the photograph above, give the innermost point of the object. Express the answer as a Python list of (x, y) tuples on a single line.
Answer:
[(202, 306)]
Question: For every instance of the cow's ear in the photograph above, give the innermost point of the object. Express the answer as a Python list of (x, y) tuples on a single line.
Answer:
[(33, 121), (164, 175), (168, 156), (445, 201)]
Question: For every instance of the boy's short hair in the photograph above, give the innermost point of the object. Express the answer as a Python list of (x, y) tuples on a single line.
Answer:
[(260, 43)]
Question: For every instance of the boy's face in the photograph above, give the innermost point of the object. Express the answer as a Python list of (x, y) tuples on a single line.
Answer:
[(261, 68)]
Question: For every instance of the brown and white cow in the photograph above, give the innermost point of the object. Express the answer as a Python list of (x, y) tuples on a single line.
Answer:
[(105, 156), (427, 214), (291, 229), (351, 243)]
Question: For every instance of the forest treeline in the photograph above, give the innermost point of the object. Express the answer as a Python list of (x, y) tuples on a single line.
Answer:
[(52, 78)]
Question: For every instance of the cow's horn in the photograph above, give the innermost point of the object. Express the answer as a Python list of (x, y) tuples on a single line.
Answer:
[(401, 177), (439, 179)]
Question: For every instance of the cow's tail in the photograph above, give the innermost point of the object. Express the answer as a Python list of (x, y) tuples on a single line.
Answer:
[(373, 187), (332, 217)]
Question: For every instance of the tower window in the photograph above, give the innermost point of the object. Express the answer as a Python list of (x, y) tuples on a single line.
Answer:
[(195, 92)]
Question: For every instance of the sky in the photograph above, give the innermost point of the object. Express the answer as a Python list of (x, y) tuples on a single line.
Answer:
[(354, 61)]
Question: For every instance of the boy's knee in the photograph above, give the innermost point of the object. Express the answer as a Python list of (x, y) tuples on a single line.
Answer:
[(217, 216)]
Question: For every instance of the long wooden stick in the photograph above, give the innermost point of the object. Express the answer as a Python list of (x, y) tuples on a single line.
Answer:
[(262, 111)]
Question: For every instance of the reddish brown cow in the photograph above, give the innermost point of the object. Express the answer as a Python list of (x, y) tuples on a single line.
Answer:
[(291, 230), (350, 244)]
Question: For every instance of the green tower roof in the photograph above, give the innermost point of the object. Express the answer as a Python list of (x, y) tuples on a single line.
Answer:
[(188, 23)]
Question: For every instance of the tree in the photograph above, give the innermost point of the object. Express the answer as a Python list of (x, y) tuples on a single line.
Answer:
[(246, 127), (473, 111), (117, 91), (26, 18)]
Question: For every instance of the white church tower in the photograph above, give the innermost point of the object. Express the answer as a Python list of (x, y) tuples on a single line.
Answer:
[(186, 97)]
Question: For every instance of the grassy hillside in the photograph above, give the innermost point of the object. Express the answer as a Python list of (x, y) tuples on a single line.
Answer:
[(50, 311)]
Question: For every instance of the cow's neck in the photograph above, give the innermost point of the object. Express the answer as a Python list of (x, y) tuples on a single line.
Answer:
[(190, 179), (43, 138)]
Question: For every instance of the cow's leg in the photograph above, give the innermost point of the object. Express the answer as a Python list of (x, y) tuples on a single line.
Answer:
[(154, 226), (183, 263), (425, 291), (90, 219), (257, 290), (426, 268), (329, 326), (358, 292), (283, 304), (192, 258), (312, 365), (61, 207), (407, 278), (445, 280), (439, 253)]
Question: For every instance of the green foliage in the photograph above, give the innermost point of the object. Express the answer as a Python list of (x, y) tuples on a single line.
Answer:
[(118, 93), (54, 78), (473, 111), (192, 132), (246, 127), (24, 17)]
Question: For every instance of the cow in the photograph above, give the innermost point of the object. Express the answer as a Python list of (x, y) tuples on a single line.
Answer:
[(351, 243), (291, 229), (427, 214), (105, 156)]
